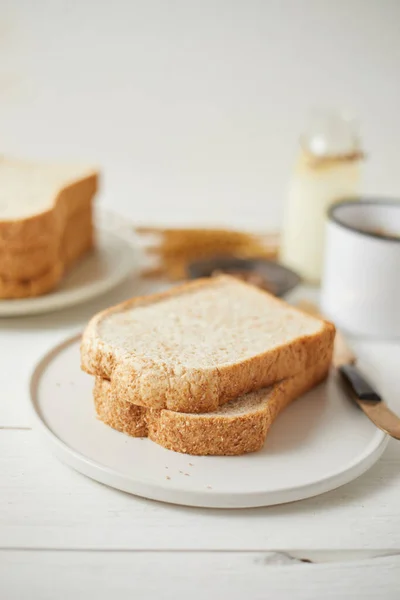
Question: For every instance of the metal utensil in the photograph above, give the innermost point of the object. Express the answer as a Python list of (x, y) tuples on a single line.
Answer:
[(279, 280), (357, 386)]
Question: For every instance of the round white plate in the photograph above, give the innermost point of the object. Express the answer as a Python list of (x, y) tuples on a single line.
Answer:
[(320, 442), (112, 260)]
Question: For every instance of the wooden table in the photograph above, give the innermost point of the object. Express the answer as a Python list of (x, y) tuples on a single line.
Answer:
[(64, 536)]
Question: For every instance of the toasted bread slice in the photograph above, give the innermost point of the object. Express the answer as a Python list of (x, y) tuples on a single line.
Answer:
[(37, 200), (197, 346), (238, 427)]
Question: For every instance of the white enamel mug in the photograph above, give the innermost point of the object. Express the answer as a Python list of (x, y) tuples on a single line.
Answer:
[(360, 289)]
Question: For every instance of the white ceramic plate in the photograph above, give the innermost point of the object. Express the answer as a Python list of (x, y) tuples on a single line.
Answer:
[(320, 442), (113, 259)]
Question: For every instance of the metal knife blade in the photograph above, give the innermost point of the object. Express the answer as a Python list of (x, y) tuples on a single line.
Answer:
[(358, 387)]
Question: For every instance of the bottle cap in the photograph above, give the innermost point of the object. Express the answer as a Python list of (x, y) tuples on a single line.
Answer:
[(331, 134)]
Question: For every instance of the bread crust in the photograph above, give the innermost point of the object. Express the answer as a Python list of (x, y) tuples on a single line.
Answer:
[(194, 390), (45, 228), (205, 434), (27, 264), (77, 239), (36, 251), (35, 262), (13, 289)]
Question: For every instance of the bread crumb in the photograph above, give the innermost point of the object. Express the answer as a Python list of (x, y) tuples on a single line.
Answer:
[(167, 477), (187, 474), (190, 465), (209, 487)]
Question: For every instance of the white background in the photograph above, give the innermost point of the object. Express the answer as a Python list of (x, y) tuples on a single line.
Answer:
[(193, 108)]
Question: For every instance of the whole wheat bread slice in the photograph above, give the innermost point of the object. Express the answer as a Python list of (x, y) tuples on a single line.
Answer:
[(19, 265), (76, 241), (46, 224), (37, 278), (197, 346), (36, 201), (238, 427)]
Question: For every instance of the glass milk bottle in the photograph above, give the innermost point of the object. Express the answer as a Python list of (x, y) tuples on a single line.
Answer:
[(327, 170)]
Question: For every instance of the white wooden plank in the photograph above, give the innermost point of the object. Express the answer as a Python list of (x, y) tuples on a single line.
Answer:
[(44, 504), (72, 575)]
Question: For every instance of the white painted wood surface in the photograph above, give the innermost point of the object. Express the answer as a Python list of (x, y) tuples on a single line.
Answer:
[(66, 575), (47, 505), (52, 516), (47, 509)]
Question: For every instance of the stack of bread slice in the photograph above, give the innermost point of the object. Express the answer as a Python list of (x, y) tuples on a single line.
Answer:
[(46, 224), (204, 368)]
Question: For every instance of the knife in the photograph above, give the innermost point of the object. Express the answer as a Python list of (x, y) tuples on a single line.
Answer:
[(358, 387)]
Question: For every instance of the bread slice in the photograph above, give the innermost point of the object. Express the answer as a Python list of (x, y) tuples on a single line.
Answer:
[(238, 427), (197, 346), (28, 263), (37, 200), (18, 266), (77, 240), (26, 288), (46, 224)]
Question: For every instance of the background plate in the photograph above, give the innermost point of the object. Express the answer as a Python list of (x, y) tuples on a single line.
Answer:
[(320, 442), (114, 258)]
